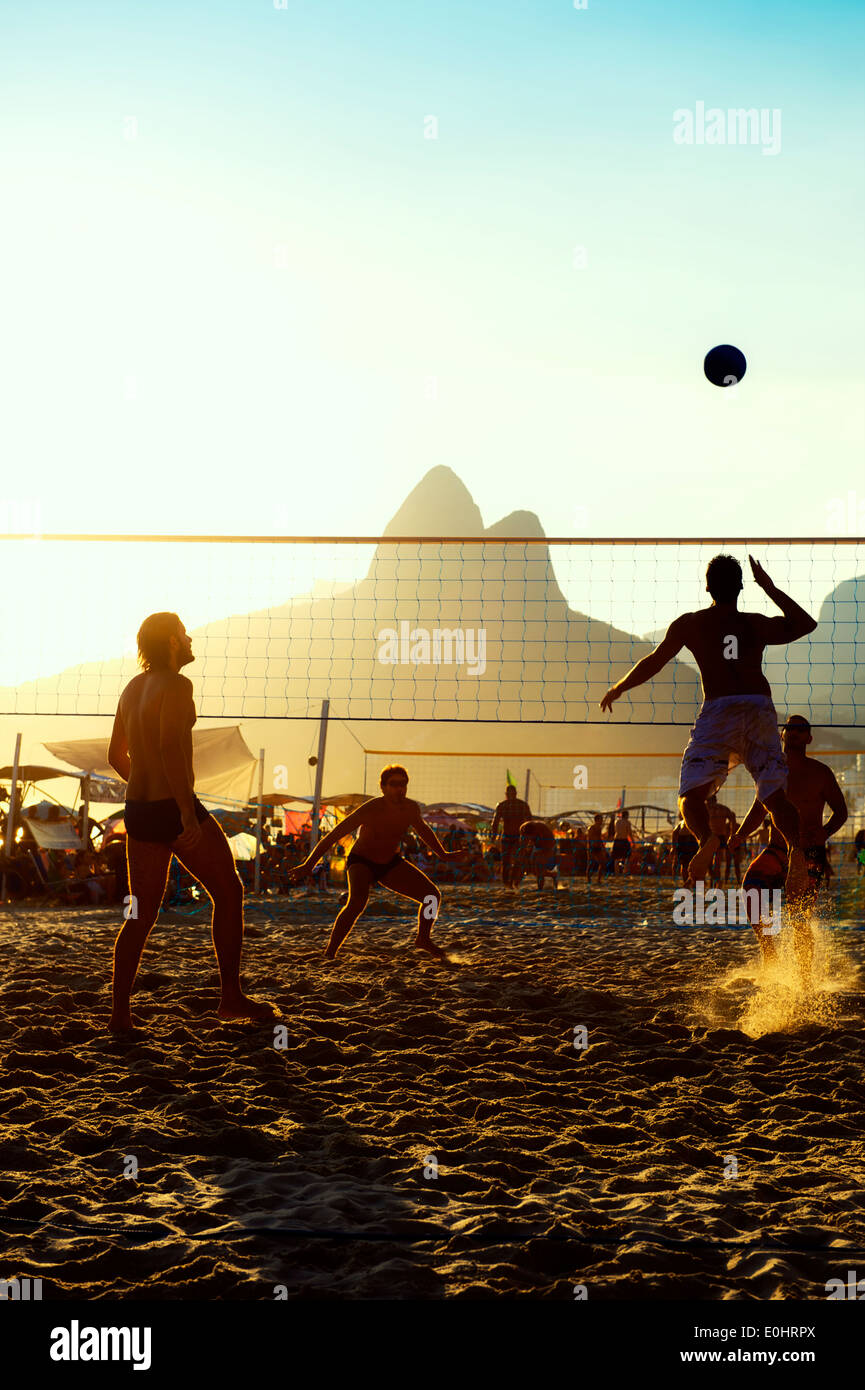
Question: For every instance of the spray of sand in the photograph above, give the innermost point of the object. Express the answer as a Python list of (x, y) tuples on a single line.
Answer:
[(760, 998)]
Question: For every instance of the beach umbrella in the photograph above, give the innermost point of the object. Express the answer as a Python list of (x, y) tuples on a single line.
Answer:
[(279, 799), (443, 819), (35, 772)]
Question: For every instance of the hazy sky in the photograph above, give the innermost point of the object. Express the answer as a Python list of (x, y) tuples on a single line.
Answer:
[(234, 262), (242, 292)]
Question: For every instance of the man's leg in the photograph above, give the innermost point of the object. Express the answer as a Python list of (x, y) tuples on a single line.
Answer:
[(148, 870), (212, 864), (359, 879), (767, 931), (693, 809), (785, 818), (410, 882)]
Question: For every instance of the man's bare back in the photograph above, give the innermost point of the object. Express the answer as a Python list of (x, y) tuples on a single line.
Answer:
[(711, 632), (511, 813), (147, 718)]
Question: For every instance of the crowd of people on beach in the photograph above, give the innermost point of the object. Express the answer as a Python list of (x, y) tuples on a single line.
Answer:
[(609, 848)]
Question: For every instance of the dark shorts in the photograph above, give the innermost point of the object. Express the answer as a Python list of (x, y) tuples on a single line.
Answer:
[(818, 865), (621, 849), (685, 850), (510, 843), (158, 821), (378, 871)]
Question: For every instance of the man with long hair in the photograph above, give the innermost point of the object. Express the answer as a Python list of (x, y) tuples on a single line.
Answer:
[(151, 749)]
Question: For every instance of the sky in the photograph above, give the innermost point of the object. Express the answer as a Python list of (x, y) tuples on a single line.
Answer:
[(245, 292)]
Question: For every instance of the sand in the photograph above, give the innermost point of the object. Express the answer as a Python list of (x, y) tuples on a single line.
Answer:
[(309, 1171)]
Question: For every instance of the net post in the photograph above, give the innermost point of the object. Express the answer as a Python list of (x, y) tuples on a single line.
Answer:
[(10, 817), (528, 780), (259, 821), (319, 774), (85, 811)]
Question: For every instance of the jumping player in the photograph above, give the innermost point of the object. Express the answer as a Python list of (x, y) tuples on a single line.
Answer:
[(511, 812), (737, 722), (811, 787), (151, 749), (375, 858)]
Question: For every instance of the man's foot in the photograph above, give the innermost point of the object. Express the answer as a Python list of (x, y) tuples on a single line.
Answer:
[(121, 1021), (797, 876), (241, 1006), (435, 951), (699, 865)]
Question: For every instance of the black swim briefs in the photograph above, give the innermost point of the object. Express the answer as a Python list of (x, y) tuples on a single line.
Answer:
[(158, 821), (377, 870), (818, 864)]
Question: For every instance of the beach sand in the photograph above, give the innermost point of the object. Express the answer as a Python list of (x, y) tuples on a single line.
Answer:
[(430, 1132)]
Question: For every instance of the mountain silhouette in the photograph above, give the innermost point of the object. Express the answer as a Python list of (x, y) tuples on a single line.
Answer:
[(543, 662)]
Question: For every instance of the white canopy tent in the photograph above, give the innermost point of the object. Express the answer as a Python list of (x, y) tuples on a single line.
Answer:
[(223, 765)]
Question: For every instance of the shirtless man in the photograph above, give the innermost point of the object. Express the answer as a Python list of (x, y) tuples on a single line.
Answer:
[(151, 749), (597, 848), (623, 843), (511, 812), (537, 852), (811, 787), (375, 858), (737, 722)]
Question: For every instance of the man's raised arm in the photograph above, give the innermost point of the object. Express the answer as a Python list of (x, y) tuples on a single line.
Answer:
[(795, 623), (651, 664)]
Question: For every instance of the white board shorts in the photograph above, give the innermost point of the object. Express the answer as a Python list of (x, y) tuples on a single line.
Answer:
[(733, 729)]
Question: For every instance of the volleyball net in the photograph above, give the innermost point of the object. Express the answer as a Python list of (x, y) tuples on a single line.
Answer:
[(473, 662), (473, 631)]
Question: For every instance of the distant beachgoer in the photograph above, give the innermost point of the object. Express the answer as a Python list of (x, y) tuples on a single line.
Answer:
[(537, 852), (151, 749), (686, 845), (722, 823), (623, 843), (811, 787), (511, 813), (859, 851), (597, 848), (375, 858), (737, 722)]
